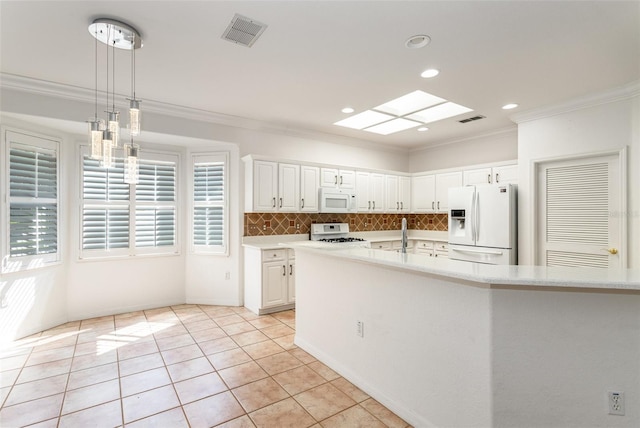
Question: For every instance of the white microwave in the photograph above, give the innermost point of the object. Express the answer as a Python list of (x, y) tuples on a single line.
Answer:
[(336, 201)]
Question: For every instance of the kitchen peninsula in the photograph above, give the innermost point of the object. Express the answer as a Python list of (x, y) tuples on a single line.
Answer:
[(448, 343)]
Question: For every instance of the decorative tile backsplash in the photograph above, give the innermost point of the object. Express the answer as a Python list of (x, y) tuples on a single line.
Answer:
[(262, 224)]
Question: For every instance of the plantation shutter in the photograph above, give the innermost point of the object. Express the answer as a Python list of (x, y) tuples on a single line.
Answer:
[(155, 211), (209, 197), (105, 219), (33, 203)]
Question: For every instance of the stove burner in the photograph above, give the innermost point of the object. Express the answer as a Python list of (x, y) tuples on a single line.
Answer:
[(341, 239)]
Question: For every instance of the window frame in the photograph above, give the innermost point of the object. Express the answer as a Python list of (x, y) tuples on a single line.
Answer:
[(209, 157), (37, 142), (131, 204)]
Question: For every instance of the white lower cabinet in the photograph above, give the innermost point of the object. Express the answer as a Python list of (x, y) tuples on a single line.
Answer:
[(432, 248), (269, 280)]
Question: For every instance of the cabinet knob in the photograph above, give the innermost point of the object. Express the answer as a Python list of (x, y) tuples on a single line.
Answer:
[(497, 177), (438, 204), (489, 178), (290, 269), (280, 202), (284, 270), (302, 203), (274, 202), (613, 251), (433, 205)]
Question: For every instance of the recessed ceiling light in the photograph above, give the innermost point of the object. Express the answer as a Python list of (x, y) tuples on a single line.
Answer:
[(347, 110), (417, 41), (429, 73), (413, 101), (439, 112), (364, 119), (509, 106), (392, 126), (422, 129)]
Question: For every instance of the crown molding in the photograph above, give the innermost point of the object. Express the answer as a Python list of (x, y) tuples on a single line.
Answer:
[(76, 93), (619, 93)]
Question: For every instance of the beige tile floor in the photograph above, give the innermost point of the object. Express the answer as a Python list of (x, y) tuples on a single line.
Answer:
[(187, 365)]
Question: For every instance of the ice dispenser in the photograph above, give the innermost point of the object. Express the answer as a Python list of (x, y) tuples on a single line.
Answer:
[(457, 223)]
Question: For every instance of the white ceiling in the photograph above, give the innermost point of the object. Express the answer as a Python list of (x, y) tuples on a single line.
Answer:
[(317, 57)]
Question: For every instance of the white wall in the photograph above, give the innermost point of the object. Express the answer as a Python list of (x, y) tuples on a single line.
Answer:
[(612, 124), (495, 147)]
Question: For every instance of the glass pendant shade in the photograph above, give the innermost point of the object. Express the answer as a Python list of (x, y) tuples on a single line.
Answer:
[(95, 139), (134, 117), (131, 164), (107, 150), (114, 127)]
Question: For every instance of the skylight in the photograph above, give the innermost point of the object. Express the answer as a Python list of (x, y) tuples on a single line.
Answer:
[(408, 111)]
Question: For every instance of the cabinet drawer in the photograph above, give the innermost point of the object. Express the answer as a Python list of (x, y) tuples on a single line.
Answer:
[(441, 246), (384, 245), (273, 255), (424, 245)]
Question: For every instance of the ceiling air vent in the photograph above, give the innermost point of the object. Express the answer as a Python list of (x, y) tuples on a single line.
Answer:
[(243, 31), (471, 119)]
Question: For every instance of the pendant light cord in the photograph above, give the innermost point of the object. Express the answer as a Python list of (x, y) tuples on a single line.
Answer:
[(96, 70)]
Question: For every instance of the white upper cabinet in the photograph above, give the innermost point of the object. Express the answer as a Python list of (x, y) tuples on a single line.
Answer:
[(491, 175), (430, 193), (423, 193), (505, 174), (309, 184), (265, 186), (369, 191), (341, 178), (272, 186), (288, 187), (443, 183), (397, 194)]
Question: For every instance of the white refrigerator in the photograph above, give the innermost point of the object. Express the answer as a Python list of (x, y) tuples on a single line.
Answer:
[(483, 224)]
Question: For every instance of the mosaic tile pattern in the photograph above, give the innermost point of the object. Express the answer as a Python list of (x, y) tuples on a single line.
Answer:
[(263, 224)]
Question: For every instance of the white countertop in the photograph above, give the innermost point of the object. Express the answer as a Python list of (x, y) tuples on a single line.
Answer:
[(279, 241), (539, 276)]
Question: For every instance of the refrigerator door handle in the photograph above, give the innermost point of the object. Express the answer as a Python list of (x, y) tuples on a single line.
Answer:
[(473, 217), (476, 217), (473, 250)]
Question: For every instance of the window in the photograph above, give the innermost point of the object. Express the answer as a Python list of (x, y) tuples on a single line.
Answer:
[(210, 212), (119, 219), (32, 208)]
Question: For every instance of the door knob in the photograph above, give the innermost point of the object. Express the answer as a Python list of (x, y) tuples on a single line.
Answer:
[(612, 251)]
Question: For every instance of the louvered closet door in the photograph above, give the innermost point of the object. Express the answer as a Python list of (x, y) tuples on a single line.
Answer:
[(578, 200)]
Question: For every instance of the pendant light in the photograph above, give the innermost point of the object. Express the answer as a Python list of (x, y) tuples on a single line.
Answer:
[(131, 165), (134, 104), (114, 34)]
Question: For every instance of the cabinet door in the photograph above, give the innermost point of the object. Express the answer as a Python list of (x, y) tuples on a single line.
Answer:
[(363, 193), (477, 176), (404, 194), (505, 174), (288, 187), (274, 283), (309, 184), (328, 177), (392, 201), (265, 186), (423, 193), (443, 183), (347, 179), (377, 192), (291, 281)]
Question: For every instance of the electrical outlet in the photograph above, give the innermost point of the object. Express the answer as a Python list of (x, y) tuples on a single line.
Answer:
[(360, 328), (616, 403)]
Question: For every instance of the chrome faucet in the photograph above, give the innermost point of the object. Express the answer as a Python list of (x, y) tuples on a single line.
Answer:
[(404, 235)]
